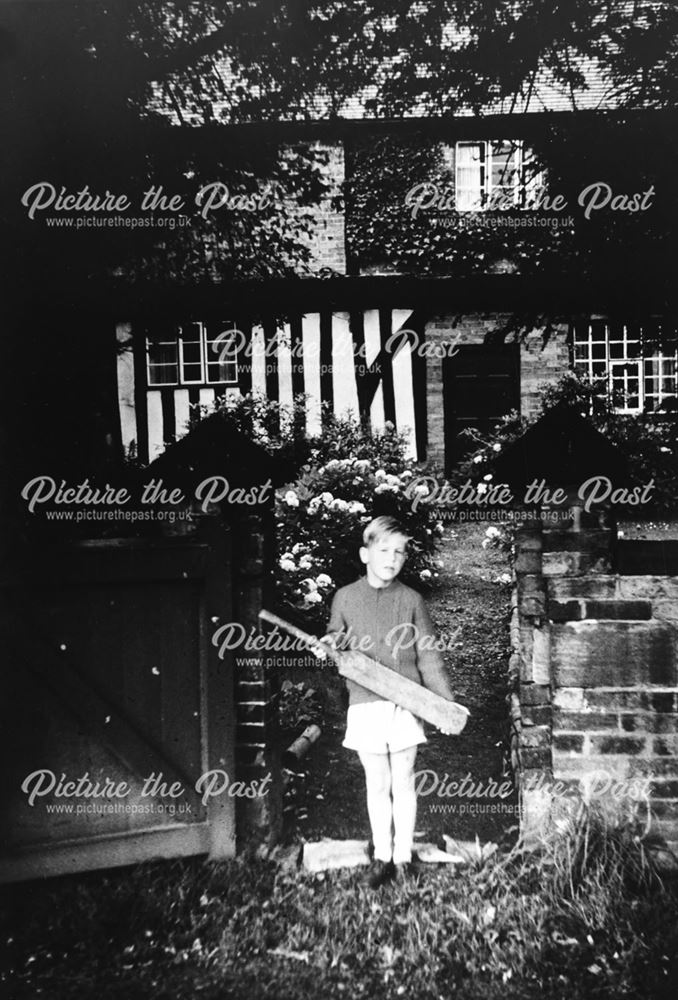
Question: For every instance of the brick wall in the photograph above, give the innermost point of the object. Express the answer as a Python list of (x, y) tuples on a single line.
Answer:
[(328, 240), (595, 678)]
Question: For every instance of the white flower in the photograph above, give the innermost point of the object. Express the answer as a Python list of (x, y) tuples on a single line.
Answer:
[(422, 489), (477, 459), (296, 549), (487, 477), (305, 562), (356, 507), (339, 504), (406, 474), (664, 448), (386, 488), (503, 578), (380, 474), (291, 499), (287, 565), (481, 488), (313, 598), (311, 584), (425, 574), (326, 498), (496, 447), (493, 532), (323, 580)]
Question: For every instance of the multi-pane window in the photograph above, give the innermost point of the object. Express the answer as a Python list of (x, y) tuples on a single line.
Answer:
[(636, 365), (197, 354), (494, 174)]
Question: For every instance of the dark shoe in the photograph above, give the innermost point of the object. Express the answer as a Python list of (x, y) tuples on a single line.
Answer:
[(378, 873), (408, 869)]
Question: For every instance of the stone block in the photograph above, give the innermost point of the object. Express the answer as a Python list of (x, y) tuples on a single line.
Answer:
[(536, 715), (564, 563), (527, 561), (329, 854), (613, 610), (564, 588), (570, 699), (661, 701), (533, 606), (608, 700), (665, 746), (536, 736), (535, 694), (584, 721), (580, 766), (665, 789), (630, 745), (594, 541), (662, 723), (648, 767), (538, 757), (565, 611), (593, 654), (568, 743), (541, 655)]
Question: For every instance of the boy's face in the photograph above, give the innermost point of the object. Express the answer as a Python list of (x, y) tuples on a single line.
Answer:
[(384, 558)]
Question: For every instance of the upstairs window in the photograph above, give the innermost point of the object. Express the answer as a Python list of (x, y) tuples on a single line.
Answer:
[(197, 354), (494, 174), (636, 365)]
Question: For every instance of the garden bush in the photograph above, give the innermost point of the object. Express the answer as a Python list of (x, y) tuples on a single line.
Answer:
[(338, 481)]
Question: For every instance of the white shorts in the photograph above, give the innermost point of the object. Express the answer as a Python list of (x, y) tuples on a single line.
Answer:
[(382, 727)]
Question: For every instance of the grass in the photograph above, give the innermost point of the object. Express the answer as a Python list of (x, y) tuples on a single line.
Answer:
[(587, 916)]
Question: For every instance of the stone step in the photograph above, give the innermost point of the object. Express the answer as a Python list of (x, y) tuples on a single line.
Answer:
[(613, 654), (326, 855), (579, 609)]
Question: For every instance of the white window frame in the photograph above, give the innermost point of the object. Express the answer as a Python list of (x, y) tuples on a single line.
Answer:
[(522, 187), (599, 357), (177, 342)]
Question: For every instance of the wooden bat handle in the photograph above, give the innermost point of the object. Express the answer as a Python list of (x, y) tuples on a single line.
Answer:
[(309, 640)]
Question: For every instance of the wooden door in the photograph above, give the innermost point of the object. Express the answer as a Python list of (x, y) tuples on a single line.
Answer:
[(481, 384)]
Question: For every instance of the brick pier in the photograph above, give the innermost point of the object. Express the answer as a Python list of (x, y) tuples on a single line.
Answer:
[(594, 670)]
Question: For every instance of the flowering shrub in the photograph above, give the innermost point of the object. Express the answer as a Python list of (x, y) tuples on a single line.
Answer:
[(321, 517)]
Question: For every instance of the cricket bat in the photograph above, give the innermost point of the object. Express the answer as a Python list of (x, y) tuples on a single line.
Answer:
[(392, 686)]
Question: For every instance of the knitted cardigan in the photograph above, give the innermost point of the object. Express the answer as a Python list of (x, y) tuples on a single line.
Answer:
[(379, 622)]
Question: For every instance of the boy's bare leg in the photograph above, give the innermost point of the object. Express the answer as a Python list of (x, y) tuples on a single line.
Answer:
[(404, 803), (379, 805)]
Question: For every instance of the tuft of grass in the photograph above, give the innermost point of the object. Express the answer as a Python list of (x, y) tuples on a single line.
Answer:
[(586, 915)]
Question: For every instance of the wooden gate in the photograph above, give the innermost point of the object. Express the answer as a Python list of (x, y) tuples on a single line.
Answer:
[(112, 678)]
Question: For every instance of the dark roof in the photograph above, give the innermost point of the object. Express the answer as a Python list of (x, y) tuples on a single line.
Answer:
[(590, 86)]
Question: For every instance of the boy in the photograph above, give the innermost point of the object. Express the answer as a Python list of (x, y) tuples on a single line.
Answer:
[(374, 614)]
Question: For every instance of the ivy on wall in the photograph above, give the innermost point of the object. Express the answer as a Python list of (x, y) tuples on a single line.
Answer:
[(385, 235)]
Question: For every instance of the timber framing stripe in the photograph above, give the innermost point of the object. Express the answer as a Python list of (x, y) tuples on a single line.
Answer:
[(386, 359), (298, 387), (326, 381)]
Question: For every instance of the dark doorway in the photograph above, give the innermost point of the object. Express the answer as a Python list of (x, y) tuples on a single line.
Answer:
[(480, 385)]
